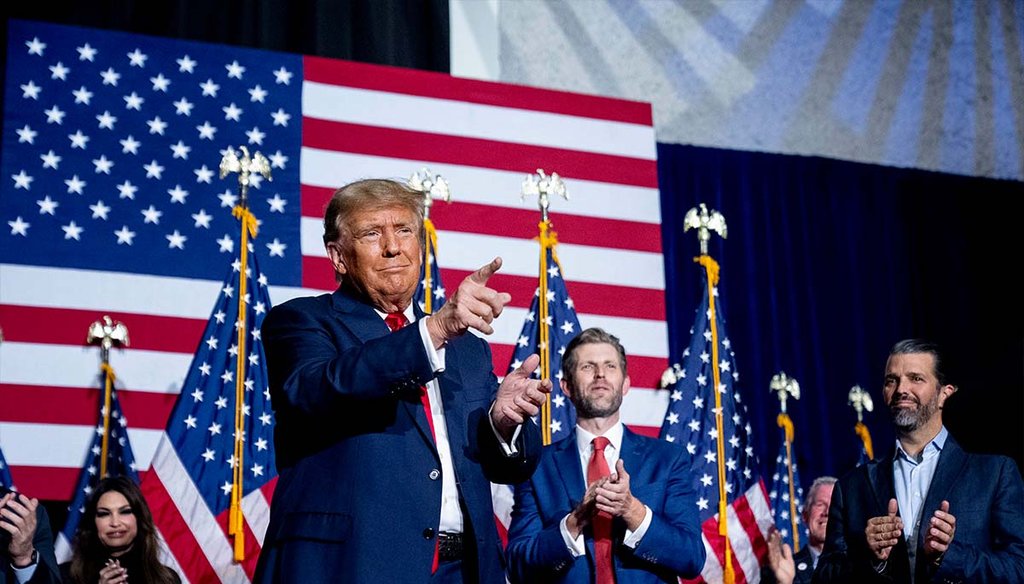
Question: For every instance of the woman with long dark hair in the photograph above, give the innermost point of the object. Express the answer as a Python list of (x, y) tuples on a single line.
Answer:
[(116, 541)]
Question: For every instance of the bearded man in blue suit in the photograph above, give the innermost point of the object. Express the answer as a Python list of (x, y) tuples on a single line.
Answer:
[(388, 436), (636, 524), (929, 511)]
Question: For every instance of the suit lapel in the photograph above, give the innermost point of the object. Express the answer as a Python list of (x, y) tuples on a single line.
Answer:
[(358, 317), (567, 461), (566, 457), (365, 323), (880, 476), (633, 453), (951, 462)]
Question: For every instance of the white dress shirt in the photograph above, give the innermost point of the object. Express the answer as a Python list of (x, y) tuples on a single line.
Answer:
[(451, 511)]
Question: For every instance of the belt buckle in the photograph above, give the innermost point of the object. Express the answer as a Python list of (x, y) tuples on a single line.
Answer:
[(449, 546)]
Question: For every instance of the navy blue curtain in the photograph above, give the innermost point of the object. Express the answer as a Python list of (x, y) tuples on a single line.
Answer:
[(827, 264)]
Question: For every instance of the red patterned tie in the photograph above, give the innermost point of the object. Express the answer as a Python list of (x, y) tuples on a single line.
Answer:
[(597, 468), (395, 321)]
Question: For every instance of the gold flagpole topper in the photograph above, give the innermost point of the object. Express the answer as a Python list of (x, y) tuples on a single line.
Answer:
[(106, 333)]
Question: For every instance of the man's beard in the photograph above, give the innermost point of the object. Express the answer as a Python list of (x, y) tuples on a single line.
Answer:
[(907, 420), (587, 407)]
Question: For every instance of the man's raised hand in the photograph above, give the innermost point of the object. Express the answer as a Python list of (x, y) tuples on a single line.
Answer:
[(473, 305), (519, 397)]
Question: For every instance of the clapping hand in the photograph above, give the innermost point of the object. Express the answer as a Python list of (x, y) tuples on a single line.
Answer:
[(18, 518), (884, 532), (615, 498), (113, 573), (940, 532)]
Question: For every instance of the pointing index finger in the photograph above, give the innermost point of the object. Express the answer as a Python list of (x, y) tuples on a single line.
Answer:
[(484, 273)]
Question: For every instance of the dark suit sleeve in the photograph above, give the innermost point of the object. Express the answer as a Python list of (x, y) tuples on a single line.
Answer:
[(46, 570), (673, 539), (504, 469), (536, 552), (996, 554), (842, 561), (306, 363)]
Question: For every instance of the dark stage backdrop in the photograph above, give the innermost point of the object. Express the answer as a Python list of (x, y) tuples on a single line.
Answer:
[(827, 264), (402, 33)]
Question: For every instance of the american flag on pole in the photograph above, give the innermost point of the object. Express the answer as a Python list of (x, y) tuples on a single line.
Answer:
[(707, 416), (861, 402), (192, 475), (548, 328), (160, 111), (120, 462), (787, 494), (866, 454), (546, 331), (430, 280)]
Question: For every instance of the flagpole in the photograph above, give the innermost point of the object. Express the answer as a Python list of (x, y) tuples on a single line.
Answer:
[(861, 402), (106, 333), (431, 186), (244, 166), (705, 222), (544, 187), (785, 387)]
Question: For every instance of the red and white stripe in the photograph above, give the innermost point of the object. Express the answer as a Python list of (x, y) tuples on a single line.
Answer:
[(748, 520)]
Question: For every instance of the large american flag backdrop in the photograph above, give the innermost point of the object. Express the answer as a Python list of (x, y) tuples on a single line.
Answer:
[(111, 205)]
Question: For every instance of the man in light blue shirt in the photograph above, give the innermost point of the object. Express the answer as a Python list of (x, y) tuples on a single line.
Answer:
[(929, 512)]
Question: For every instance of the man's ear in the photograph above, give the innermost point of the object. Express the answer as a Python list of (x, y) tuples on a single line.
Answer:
[(565, 388), (945, 392), (337, 257)]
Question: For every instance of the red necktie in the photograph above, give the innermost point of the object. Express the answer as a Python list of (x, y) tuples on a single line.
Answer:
[(395, 321), (597, 468)]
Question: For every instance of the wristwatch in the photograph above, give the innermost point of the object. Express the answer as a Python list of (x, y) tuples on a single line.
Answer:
[(35, 560)]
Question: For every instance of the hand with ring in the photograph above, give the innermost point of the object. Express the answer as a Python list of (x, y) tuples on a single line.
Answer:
[(884, 532)]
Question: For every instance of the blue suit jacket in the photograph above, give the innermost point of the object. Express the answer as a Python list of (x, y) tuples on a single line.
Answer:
[(986, 496), (358, 496), (659, 477)]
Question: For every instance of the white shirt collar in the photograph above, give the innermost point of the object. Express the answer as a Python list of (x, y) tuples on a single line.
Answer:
[(934, 445), (409, 313), (584, 438)]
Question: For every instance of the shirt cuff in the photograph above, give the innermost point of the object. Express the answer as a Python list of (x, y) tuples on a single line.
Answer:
[(633, 538), (574, 545), (434, 356), (509, 448), (25, 574)]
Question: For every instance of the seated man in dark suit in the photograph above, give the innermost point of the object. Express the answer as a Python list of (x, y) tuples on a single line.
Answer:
[(929, 511), (388, 436), (578, 520), (785, 567), (26, 541)]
